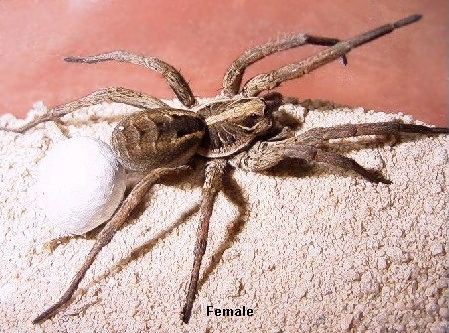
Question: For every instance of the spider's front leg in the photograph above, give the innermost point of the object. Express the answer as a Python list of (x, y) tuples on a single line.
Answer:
[(111, 95), (233, 76), (132, 200), (212, 184), (274, 78), (264, 155)]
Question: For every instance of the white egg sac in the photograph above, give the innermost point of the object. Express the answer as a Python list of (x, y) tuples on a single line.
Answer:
[(81, 183)]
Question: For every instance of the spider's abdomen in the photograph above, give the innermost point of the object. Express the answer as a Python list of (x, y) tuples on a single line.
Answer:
[(232, 125), (157, 138)]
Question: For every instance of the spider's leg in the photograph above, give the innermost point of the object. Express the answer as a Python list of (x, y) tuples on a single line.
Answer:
[(174, 79), (233, 76), (344, 162), (318, 135), (212, 184), (112, 95), (132, 200), (266, 154), (295, 70)]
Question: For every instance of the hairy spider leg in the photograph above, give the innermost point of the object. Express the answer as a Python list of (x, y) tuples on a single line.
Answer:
[(111, 95), (264, 155), (212, 184), (132, 200), (174, 79), (295, 70), (317, 135), (233, 76)]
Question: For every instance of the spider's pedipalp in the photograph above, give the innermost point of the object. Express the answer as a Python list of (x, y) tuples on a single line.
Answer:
[(212, 184), (295, 70), (132, 200), (111, 95), (174, 79), (233, 76)]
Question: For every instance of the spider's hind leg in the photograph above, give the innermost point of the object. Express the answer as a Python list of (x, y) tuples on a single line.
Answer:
[(132, 200), (111, 95)]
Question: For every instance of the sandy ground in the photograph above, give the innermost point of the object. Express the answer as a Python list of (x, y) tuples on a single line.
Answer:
[(320, 250)]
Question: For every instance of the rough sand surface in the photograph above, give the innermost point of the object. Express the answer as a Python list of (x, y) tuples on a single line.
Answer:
[(318, 251)]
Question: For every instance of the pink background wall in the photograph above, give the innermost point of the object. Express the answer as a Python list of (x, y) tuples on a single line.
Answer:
[(403, 72)]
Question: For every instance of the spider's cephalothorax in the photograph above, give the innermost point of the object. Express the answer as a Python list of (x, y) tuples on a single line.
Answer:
[(238, 128), (232, 125)]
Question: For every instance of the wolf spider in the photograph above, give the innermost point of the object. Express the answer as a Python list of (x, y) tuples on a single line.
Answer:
[(238, 129)]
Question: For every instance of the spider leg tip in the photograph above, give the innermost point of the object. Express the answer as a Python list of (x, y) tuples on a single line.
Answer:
[(383, 180), (441, 130), (407, 20), (11, 130), (73, 59), (186, 313), (37, 320), (185, 317)]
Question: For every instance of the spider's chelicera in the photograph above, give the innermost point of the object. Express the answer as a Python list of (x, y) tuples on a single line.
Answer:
[(238, 128)]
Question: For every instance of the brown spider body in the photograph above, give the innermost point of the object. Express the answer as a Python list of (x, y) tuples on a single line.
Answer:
[(238, 129), (170, 137)]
